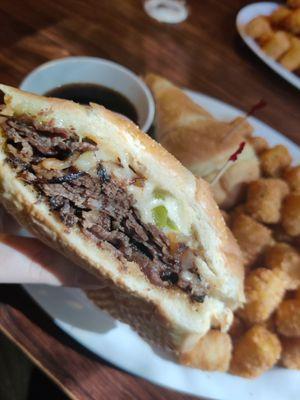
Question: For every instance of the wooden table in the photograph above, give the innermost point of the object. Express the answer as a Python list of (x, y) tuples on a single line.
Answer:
[(204, 53)]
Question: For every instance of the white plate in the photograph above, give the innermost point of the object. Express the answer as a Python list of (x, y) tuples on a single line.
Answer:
[(118, 344), (244, 16)]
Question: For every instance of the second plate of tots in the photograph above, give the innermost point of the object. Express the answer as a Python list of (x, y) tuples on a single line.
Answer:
[(271, 30)]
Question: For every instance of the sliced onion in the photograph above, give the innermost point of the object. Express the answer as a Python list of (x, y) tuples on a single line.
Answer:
[(187, 260), (86, 162), (188, 277), (54, 163)]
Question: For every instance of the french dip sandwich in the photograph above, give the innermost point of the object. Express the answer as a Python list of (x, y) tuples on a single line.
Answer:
[(202, 143), (89, 184)]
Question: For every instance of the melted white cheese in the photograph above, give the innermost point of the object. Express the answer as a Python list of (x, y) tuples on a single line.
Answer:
[(144, 195), (146, 202)]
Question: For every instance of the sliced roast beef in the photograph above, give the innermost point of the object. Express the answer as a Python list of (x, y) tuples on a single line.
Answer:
[(99, 205), (44, 143)]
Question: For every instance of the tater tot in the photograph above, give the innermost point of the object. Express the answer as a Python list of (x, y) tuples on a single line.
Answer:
[(259, 29), (211, 353), (280, 235), (277, 45), (252, 237), (279, 15), (264, 290), (292, 22), (264, 199), (288, 318), (256, 352), (292, 177), (293, 3), (286, 258), (290, 217), (237, 328), (290, 356), (238, 210), (226, 217), (275, 160), (291, 59), (270, 324), (259, 143)]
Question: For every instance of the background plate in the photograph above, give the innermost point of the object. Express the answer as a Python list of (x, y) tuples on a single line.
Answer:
[(244, 16), (118, 344)]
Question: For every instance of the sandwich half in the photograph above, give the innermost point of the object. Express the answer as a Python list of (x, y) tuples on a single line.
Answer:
[(91, 185), (202, 143)]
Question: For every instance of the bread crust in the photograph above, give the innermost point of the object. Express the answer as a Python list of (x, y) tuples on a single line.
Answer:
[(163, 316), (203, 139), (202, 143)]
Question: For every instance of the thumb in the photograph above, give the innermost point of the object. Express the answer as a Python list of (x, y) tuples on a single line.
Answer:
[(27, 260)]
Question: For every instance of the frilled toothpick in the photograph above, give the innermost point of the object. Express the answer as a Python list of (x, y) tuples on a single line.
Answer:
[(242, 145), (228, 163)]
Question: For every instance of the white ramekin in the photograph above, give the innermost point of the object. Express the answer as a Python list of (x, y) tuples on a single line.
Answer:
[(94, 70)]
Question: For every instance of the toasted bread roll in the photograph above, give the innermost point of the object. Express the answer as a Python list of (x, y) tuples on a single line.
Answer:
[(202, 143), (89, 184)]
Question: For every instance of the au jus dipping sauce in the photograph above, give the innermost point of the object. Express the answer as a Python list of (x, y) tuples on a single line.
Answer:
[(85, 93)]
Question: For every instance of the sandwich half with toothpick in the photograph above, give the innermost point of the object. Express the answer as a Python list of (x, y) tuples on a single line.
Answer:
[(202, 143)]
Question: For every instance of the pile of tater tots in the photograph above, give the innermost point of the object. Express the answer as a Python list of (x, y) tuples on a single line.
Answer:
[(266, 331), (278, 35)]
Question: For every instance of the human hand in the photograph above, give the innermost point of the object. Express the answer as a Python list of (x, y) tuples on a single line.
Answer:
[(27, 260)]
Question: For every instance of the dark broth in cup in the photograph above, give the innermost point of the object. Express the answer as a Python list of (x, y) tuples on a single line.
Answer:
[(85, 93)]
